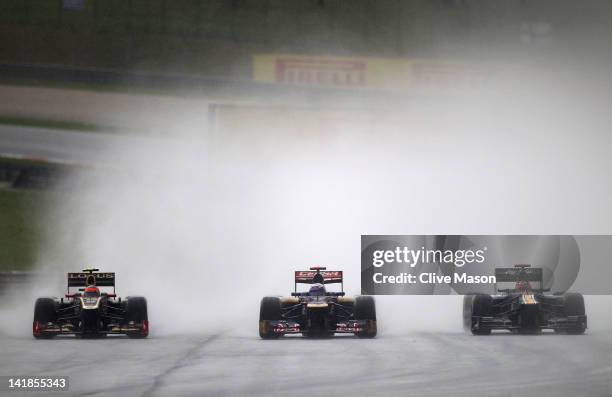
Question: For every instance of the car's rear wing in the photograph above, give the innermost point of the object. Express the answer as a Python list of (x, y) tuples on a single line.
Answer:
[(89, 277), (318, 274), (522, 272), (510, 274)]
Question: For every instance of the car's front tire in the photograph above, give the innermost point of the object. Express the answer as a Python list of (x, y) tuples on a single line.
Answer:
[(574, 306), (136, 311), (481, 307), (269, 310), (365, 309), (44, 312)]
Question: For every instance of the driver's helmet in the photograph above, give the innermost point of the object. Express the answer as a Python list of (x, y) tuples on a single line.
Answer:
[(522, 283), (92, 291), (523, 286), (317, 290)]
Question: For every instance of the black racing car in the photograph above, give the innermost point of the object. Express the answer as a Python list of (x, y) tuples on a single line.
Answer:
[(523, 306), (317, 312), (90, 311)]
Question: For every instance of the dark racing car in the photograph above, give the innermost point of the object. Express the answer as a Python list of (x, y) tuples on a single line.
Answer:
[(522, 306), (317, 312), (89, 311)]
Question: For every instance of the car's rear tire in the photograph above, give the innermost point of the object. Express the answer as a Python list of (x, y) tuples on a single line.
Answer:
[(44, 312), (574, 306), (365, 309), (482, 307), (136, 311), (269, 310)]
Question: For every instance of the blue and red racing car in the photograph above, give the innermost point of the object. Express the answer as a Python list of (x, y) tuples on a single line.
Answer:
[(317, 311)]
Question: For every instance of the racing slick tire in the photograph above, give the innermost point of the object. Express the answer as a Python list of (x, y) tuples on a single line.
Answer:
[(481, 306), (365, 309), (467, 311), (574, 306), (44, 313), (136, 312), (269, 310)]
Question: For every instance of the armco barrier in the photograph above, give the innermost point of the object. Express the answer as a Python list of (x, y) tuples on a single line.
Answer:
[(15, 279), (29, 174)]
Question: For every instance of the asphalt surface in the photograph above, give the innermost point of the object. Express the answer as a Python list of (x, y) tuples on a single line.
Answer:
[(234, 363), (237, 363)]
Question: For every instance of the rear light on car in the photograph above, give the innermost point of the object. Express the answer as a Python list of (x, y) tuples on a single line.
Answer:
[(144, 328), (36, 328)]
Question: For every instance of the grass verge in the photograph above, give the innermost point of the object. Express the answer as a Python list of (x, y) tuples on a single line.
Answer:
[(20, 227), (52, 123)]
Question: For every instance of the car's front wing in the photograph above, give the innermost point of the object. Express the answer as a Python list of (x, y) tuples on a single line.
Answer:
[(557, 323), (52, 329), (283, 327)]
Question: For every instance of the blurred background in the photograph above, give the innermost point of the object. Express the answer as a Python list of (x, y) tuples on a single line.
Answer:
[(205, 149), (216, 39), (230, 142)]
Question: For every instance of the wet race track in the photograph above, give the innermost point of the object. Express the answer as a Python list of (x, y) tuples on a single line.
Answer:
[(231, 363), (195, 361)]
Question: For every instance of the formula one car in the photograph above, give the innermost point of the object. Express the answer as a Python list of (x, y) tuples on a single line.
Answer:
[(523, 307), (317, 312), (90, 312)]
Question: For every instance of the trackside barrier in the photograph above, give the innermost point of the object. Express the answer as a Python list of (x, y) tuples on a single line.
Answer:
[(14, 279)]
